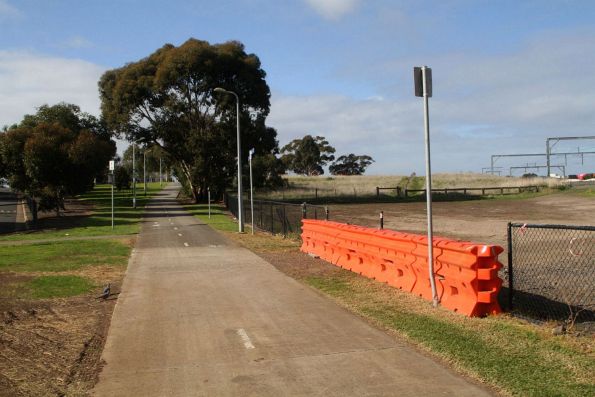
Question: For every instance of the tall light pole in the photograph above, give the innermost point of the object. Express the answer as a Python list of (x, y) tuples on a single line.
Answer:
[(423, 88), (240, 202), (250, 154)]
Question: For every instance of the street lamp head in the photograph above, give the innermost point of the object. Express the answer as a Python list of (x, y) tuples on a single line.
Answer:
[(220, 90), (250, 153)]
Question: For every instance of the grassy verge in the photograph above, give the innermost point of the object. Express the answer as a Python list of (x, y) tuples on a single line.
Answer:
[(62, 256), (73, 266), (76, 266), (98, 223), (62, 286), (515, 357)]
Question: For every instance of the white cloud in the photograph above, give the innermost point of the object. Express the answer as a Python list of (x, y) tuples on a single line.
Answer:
[(482, 105), (30, 80), (333, 9), (77, 42), (8, 11)]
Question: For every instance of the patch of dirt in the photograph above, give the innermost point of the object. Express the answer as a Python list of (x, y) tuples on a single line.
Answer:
[(482, 221), (299, 265), (52, 347)]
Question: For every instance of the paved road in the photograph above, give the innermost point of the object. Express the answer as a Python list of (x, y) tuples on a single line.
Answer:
[(8, 211), (200, 316)]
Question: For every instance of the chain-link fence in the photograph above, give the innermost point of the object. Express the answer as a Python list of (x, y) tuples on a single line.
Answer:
[(276, 217), (551, 271)]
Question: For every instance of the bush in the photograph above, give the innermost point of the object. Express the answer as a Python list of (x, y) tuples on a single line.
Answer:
[(122, 178)]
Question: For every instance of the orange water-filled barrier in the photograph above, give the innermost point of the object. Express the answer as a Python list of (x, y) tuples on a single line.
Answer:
[(466, 273)]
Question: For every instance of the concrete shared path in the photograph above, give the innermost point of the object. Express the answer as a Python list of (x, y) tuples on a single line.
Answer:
[(201, 316)]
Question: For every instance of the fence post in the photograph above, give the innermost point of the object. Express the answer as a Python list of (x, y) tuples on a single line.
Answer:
[(483, 192), (261, 225), (501, 191), (398, 191), (381, 220), (316, 193), (272, 220), (405, 192), (326, 213), (510, 276), (377, 191), (304, 211)]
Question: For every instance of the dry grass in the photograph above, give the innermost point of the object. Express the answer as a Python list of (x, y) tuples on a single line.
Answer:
[(365, 185)]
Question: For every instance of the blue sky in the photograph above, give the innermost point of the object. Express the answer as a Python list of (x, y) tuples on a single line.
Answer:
[(507, 74)]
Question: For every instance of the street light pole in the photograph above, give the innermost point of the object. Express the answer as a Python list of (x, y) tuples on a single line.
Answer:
[(240, 201), (250, 154)]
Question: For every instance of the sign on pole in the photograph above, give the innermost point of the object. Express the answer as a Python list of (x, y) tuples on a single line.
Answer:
[(418, 79), (112, 165), (422, 77)]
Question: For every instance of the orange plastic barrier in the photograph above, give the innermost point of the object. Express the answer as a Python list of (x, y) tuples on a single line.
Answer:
[(466, 273)]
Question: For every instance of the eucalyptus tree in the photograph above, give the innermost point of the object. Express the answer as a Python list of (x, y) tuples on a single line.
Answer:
[(350, 164), (57, 152), (307, 156), (167, 99)]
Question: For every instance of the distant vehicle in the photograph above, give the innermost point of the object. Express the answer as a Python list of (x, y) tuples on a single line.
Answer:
[(585, 176)]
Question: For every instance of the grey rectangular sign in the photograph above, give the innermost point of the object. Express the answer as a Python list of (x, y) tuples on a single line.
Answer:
[(418, 81)]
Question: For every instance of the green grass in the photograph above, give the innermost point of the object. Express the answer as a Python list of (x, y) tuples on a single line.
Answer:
[(219, 220), (62, 286), (63, 255), (512, 356), (126, 218)]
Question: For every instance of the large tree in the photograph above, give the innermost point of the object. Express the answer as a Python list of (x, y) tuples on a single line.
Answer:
[(57, 152), (308, 155), (167, 99), (350, 164)]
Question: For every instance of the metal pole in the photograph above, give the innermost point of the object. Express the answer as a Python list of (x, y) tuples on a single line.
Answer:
[(240, 202), (510, 278), (145, 169), (240, 199), (381, 220), (251, 190), (160, 175), (547, 154), (113, 198), (209, 199), (435, 299), (133, 176)]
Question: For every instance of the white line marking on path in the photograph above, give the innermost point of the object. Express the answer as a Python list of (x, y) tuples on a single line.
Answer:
[(245, 338), (185, 244), (180, 234)]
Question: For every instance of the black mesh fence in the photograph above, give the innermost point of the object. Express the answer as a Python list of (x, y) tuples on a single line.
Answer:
[(551, 271), (276, 217)]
